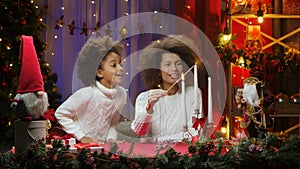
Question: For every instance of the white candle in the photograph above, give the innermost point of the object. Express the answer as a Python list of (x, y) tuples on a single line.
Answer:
[(196, 88), (210, 115), (183, 100)]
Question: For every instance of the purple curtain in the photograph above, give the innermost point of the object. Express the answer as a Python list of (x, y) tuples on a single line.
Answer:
[(63, 47)]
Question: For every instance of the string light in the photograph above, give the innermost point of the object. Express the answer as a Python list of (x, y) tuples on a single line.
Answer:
[(226, 31), (226, 34), (224, 126), (260, 18)]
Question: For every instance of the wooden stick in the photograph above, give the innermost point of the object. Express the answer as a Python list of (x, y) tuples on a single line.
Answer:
[(180, 78)]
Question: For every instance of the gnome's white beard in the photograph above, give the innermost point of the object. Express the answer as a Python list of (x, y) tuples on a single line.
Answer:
[(36, 103)]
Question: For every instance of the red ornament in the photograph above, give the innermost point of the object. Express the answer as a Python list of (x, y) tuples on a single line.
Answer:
[(23, 22), (4, 84)]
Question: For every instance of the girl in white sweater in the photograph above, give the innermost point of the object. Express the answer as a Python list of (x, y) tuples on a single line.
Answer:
[(92, 113), (158, 111)]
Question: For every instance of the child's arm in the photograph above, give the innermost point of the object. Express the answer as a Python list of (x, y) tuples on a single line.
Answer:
[(67, 113), (141, 122)]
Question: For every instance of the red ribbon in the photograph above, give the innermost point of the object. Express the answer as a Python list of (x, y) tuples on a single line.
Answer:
[(198, 122), (49, 115)]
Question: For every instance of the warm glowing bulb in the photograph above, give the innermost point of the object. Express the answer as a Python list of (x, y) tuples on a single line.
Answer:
[(52, 53), (260, 19), (0, 39), (226, 37), (62, 8), (223, 130), (55, 36), (93, 2)]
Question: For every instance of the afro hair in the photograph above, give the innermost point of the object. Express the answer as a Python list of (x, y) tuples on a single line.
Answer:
[(92, 54), (150, 57)]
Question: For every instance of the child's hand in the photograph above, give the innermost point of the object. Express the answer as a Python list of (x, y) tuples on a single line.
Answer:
[(153, 97), (86, 140)]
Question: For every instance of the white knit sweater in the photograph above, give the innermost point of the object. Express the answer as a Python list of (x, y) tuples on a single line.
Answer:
[(167, 120), (92, 112)]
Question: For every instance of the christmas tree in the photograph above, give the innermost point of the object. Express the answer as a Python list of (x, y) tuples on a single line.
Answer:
[(20, 17)]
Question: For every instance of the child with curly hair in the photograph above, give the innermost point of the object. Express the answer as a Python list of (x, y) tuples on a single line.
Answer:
[(158, 112), (92, 113)]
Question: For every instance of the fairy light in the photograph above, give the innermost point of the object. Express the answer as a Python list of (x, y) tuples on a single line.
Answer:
[(0, 39), (93, 2), (260, 14), (52, 53), (55, 37), (62, 8)]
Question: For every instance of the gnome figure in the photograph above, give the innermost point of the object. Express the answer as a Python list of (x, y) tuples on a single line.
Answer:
[(31, 101)]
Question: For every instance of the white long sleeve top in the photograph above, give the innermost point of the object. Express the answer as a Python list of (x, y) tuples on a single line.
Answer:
[(93, 112), (167, 120)]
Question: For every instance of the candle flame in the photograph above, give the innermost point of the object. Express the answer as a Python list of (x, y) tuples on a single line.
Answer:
[(182, 76)]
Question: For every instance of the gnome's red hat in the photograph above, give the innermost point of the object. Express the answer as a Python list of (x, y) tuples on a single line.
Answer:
[(31, 79)]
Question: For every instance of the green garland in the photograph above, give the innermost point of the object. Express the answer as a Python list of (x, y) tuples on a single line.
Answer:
[(252, 57), (271, 152)]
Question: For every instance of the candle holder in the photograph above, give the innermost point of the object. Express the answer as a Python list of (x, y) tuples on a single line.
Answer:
[(186, 133), (210, 125)]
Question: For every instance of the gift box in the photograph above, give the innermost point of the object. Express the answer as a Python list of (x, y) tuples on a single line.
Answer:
[(291, 7), (66, 140)]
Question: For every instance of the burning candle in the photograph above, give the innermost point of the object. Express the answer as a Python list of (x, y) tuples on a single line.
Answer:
[(210, 115), (183, 104), (196, 88)]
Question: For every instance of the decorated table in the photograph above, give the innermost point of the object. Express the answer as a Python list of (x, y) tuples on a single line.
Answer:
[(275, 151)]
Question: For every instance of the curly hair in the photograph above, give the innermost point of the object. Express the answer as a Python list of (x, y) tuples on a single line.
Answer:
[(92, 54), (151, 56)]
